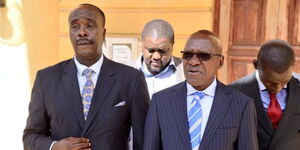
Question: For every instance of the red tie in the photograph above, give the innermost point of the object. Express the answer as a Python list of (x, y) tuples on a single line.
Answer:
[(274, 110)]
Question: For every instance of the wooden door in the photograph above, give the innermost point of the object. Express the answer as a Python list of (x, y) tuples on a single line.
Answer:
[(244, 25)]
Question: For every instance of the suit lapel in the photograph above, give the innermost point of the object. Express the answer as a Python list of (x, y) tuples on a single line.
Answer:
[(179, 104), (70, 83), (254, 93), (105, 82), (291, 104), (221, 103)]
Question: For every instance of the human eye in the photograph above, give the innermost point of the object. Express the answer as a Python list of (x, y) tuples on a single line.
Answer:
[(74, 26), (150, 50), (91, 26), (204, 56), (187, 55), (162, 51)]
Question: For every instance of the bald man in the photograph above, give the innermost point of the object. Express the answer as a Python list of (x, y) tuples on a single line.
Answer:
[(276, 94), (160, 68)]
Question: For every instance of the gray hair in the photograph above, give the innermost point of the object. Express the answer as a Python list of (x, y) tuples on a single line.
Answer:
[(159, 29)]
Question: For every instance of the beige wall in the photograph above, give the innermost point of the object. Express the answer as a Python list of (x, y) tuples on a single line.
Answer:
[(127, 18), (45, 27), (41, 30)]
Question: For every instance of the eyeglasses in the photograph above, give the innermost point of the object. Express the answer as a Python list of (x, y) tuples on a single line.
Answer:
[(200, 55), (159, 50)]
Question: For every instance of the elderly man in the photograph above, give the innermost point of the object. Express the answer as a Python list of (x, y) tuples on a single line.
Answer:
[(160, 68), (89, 101), (276, 93), (201, 113)]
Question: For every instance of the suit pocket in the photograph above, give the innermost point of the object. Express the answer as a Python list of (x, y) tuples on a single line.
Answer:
[(227, 131)]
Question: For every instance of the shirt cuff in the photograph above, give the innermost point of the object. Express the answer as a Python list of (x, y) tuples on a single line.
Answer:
[(52, 145)]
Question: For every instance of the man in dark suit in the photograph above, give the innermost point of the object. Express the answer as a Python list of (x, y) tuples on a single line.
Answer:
[(88, 102), (276, 95), (201, 113)]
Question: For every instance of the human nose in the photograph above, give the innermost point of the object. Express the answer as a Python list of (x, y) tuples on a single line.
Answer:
[(82, 32), (156, 55), (194, 60)]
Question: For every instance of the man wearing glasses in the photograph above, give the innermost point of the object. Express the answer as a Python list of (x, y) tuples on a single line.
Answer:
[(160, 68), (201, 112)]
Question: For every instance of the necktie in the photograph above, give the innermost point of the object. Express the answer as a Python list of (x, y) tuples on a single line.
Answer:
[(274, 110), (195, 120), (87, 91)]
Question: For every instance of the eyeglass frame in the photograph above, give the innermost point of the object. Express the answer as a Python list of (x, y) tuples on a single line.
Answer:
[(199, 58)]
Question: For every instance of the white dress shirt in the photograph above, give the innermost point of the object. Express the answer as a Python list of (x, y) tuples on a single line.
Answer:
[(82, 79), (205, 102), (96, 71), (264, 95)]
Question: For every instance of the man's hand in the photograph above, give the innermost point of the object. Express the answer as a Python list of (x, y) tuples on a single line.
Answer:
[(72, 143)]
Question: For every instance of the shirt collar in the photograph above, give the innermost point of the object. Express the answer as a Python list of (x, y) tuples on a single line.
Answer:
[(95, 67), (146, 72), (261, 86), (210, 90)]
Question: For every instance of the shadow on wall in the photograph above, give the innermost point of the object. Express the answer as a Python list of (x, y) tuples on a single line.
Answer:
[(11, 23)]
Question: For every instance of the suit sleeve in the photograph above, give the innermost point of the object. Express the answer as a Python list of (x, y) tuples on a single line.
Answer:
[(139, 110), (247, 138), (152, 139), (37, 130)]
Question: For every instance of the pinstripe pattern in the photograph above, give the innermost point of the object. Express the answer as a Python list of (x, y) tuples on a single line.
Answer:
[(287, 134), (231, 124)]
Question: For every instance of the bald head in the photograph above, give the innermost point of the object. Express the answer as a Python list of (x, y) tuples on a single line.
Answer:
[(276, 54), (158, 29)]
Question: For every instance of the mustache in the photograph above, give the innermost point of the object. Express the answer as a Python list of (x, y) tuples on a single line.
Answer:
[(82, 41)]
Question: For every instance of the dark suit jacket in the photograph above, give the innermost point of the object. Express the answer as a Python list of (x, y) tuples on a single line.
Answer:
[(231, 124), (287, 135), (55, 109)]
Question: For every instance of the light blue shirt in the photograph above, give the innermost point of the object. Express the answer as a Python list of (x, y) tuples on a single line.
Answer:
[(164, 79), (205, 102), (264, 95)]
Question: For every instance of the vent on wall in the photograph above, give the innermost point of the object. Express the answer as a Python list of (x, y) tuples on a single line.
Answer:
[(2, 3)]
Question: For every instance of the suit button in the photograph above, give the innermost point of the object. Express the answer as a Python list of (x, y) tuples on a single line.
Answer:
[(299, 132)]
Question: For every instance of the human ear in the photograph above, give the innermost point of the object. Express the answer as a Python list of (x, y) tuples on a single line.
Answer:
[(255, 63), (221, 62)]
